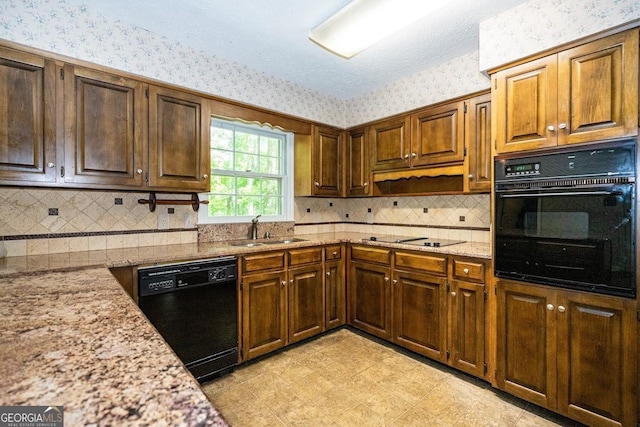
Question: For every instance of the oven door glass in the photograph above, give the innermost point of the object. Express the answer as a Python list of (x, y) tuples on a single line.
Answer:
[(580, 239)]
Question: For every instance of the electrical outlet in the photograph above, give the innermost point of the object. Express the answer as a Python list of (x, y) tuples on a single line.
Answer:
[(163, 221)]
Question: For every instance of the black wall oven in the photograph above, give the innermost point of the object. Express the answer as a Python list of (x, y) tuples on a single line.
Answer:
[(567, 218)]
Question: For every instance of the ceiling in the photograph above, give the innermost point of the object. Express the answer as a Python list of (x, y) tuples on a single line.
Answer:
[(271, 36)]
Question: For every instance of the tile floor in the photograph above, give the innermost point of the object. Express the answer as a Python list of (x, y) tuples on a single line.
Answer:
[(347, 379)]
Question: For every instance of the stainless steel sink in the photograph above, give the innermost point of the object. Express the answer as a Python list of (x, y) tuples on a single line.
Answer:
[(252, 244), (283, 241), (248, 245)]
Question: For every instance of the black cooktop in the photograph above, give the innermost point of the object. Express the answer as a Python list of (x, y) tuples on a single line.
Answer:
[(415, 241)]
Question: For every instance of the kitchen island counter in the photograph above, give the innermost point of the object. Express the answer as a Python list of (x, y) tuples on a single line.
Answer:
[(76, 339)]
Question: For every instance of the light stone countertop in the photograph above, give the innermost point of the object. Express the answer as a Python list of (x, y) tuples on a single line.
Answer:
[(71, 336)]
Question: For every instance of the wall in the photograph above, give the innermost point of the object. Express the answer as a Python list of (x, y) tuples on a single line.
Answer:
[(538, 25)]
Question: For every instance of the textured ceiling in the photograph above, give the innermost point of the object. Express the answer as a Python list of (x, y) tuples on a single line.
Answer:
[(272, 36)]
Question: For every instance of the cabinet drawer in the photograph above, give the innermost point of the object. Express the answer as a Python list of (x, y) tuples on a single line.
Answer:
[(263, 261), (364, 253), (429, 263), (305, 256), (468, 270), (332, 252)]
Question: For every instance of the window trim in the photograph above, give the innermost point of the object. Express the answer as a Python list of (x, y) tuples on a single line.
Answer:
[(287, 181)]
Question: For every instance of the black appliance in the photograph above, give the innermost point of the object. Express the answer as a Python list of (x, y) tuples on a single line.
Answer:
[(567, 218), (415, 241), (194, 307)]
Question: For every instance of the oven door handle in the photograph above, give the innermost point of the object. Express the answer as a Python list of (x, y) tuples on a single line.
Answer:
[(568, 193)]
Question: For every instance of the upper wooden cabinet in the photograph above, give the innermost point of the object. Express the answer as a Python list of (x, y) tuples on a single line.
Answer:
[(478, 144), (583, 94), (327, 161), (437, 135), (178, 140), (390, 144), (358, 167), (27, 118), (105, 118)]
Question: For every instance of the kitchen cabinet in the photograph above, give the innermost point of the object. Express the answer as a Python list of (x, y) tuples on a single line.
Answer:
[(306, 293), (569, 351), (369, 290), (327, 161), (335, 287), (105, 128), (358, 166), (391, 144), (478, 144), (437, 135), (583, 94), (28, 122), (179, 136)]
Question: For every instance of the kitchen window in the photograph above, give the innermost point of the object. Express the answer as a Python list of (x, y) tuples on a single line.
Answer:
[(251, 174)]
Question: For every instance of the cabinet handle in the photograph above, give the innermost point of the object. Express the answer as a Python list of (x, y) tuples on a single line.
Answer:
[(561, 308), (283, 283), (413, 154), (205, 176), (465, 271), (406, 156), (551, 128), (453, 294), (328, 273), (395, 282), (334, 253), (139, 171), (470, 176), (562, 126), (291, 281), (316, 183), (550, 307), (365, 184), (51, 165), (386, 279)]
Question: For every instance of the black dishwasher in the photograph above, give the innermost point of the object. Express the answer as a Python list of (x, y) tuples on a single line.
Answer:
[(194, 307)]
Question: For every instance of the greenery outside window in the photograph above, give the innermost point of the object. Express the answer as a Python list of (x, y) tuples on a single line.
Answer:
[(251, 174)]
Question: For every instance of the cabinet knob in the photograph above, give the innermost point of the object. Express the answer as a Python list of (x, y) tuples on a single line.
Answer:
[(551, 128), (550, 307), (291, 281), (395, 282), (465, 271), (470, 176), (139, 171), (386, 279), (51, 165), (365, 184), (413, 154), (453, 294), (328, 273), (561, 308), (562, 126), (334, 253), (205, 176), (406, 156), (283, 283), (316, 183)]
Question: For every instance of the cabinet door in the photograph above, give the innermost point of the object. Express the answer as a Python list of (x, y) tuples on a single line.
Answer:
[(27, 117), (525, 105), (306, 302), (370, 299), (179, 149), (390, 144), (596, 359), (264, 313), (335, 294), (420, 313), (327, 162), (478, 143), (358, 170), (466, 327), (437, 135), (105, 119), (598, 89), (526, 354)]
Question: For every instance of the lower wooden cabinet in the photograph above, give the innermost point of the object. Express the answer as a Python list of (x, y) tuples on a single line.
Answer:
[(306, 302), (466, 327), (572, 352), (335, 294)]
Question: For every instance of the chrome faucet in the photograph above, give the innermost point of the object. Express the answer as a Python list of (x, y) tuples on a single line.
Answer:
[(254, 227)]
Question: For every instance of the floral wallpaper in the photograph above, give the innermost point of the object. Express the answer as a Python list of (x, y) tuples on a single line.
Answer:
[(538, 25)]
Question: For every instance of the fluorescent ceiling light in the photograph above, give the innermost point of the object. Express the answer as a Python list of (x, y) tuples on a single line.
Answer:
[(362, 23)]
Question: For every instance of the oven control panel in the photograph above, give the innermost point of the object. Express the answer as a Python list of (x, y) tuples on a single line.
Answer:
[(522, 169)]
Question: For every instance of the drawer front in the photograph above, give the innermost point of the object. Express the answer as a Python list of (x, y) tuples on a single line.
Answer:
[(262, 262), (370, 254), (429, 263), (305, 256), (332, 252), (469, 270)]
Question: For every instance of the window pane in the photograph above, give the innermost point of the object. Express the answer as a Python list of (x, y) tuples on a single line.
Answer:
[(220, 205), (248, 205), (222, 160), (221, 184), (221, 138), (270, 165), (270, 187), (271, 205), (270, 146), (246, 142), (246, 162), (249, 186)]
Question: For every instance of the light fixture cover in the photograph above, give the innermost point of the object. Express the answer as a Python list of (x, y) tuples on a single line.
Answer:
[(362, 23)]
